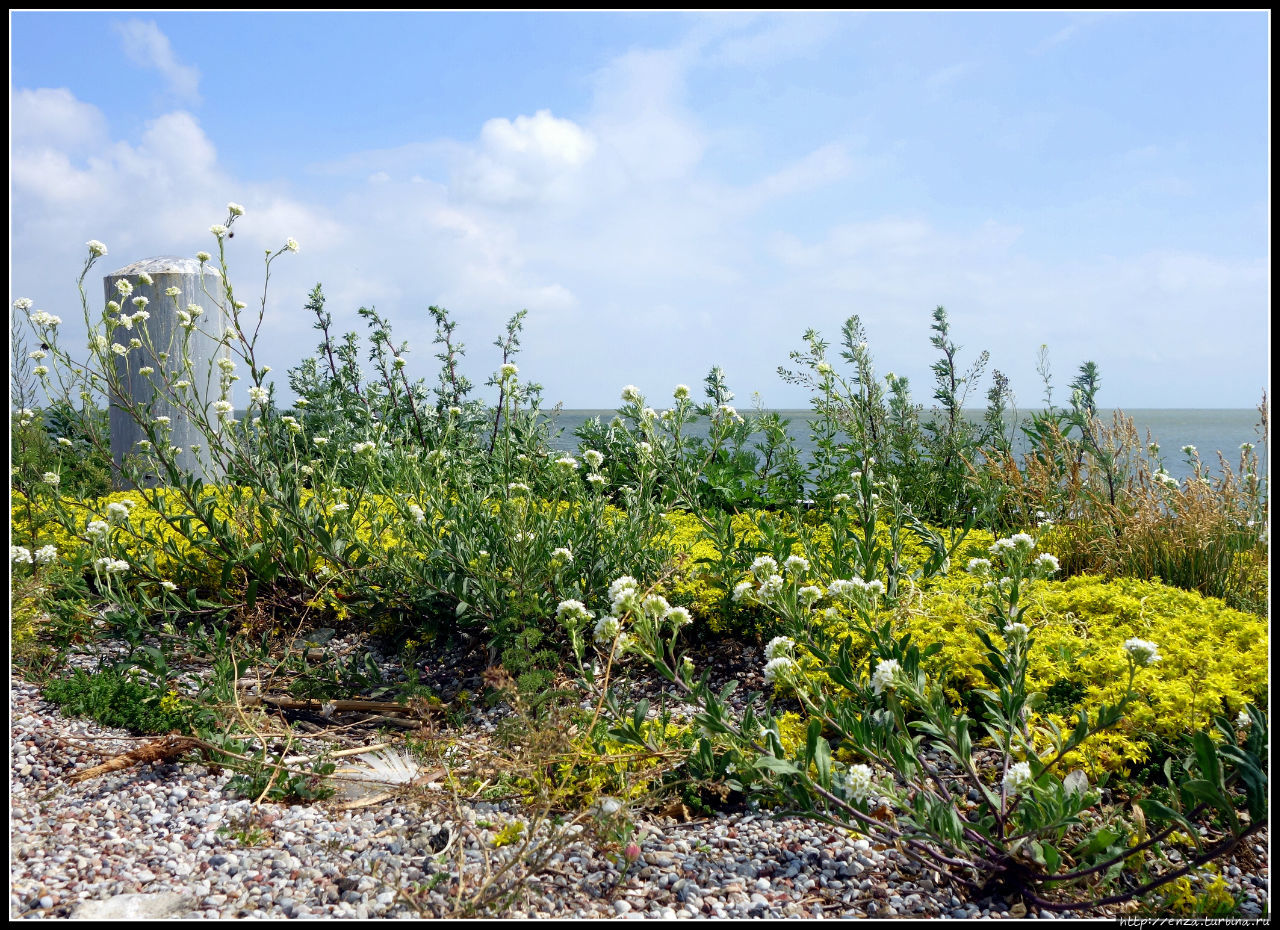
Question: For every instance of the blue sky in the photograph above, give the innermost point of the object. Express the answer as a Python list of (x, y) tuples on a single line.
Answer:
[(664, 192)]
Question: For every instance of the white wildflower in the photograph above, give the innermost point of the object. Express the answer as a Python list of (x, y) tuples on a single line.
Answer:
[(1022, 542), (96, 248), (20, 554), (679, 617), (1018, 778), (782, 670), (1143, 652), (779, 646), (41, 318), (795, 565), (885, 673), (809, 595), (573, 611), (858, 781), (46, 554), (606, 629), (763, 567), (1047, 563)]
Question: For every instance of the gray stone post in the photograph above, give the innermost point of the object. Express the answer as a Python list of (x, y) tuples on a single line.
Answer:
[(165, 335)]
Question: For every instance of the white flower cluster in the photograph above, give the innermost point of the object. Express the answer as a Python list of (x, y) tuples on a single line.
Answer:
[(258, 395), (573, 611), (361, 448), (849, 588), (567, 462), (782, 670), (561, 556), (20, 554), (631, 394), (979, 568), (593, 458), (795, 565), (624, 594), (606, 629), (1047, 563), (1018, 542), (1016, 632), (508, 370), (1162, 477), (419, 515), (96, 248), (117, 512), (764, 567), (1143, 652), (47, 320), (1018, 778), (111, 566), (681, 392), (780, 667), (858, 782), (51, 478), (885, 674), (779, 646)]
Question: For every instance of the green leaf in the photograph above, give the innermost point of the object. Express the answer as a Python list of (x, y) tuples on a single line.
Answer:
[(774, 764)]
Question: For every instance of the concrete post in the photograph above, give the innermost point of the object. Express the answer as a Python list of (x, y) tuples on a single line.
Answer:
[(166, 336)]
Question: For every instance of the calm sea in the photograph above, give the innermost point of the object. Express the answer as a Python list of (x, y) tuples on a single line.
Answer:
[(1208, 430)]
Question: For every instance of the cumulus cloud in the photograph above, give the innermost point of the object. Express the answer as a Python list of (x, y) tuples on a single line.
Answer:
[(525, 159), (145, 45)]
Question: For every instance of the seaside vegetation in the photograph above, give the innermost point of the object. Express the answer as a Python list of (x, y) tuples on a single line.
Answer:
[(1036, 672)]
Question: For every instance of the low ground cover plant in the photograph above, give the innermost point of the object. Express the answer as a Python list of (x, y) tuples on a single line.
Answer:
[(971, 655)]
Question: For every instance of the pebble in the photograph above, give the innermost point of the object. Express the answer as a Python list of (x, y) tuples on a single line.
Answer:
[(174, 832)]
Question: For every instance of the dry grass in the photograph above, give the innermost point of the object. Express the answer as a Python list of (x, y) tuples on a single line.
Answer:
[(1115, 513)]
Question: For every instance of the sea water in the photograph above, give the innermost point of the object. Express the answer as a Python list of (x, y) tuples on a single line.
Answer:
[(1210, 431)]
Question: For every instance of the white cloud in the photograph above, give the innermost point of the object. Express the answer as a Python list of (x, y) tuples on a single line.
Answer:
[(147, 46), (526, 159), (54, 117)]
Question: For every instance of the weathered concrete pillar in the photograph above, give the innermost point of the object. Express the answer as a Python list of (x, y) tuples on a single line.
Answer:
[(165, 335)]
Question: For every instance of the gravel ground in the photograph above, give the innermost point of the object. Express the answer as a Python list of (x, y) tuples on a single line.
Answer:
[(173, 835)]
